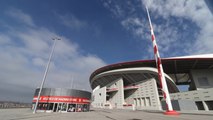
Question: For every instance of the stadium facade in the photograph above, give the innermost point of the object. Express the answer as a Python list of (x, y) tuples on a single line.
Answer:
[(62, 100), (135, 84)]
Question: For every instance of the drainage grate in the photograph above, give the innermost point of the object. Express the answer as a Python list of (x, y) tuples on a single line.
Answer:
[(135, 119), (110, 118)]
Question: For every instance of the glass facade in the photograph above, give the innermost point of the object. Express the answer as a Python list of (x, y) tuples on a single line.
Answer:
[(62, 100), (62, 107)]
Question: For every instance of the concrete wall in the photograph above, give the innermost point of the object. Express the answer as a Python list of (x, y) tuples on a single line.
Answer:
[(180, 105), (99, 97), (201, 98), (117, 97), (201, 94), (146, 96), (202, 78)]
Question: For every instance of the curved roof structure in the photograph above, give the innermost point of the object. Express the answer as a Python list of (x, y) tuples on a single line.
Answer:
[(135, 71)]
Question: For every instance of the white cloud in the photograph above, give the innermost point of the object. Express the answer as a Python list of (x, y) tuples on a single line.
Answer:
[(193, 10), (4, 39), (72, 21), (38, 61), (137, 27), (19, 15), (116, 10), (24, 55), (181, 26)]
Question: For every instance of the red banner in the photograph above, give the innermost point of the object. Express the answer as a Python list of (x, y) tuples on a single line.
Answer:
[(64, 99)]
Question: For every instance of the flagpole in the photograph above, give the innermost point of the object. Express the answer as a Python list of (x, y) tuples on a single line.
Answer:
[(161, 75)]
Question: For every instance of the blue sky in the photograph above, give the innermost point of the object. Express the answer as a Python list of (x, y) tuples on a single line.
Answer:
[(94, 33)]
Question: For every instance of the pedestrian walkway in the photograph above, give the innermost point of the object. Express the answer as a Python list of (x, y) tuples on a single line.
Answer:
[(100, 114)]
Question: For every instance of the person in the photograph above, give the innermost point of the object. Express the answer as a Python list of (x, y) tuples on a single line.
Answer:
[(79, 109), (73, 109), (69, 110)]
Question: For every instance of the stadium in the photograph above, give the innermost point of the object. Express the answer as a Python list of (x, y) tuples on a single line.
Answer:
[(135, 84), (62, 100)]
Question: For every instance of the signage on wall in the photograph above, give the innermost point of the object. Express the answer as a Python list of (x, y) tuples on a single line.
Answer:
[(65, 99)]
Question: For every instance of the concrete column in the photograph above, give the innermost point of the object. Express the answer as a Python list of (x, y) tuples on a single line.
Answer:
[(57, 107), (53, 107), (138, 102), (67, 106), (205, 106), (135, 102)]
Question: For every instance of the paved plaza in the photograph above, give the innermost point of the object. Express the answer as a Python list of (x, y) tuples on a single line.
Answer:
[(100, 114)]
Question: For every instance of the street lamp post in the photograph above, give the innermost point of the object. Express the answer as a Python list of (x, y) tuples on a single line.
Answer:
[(45, 74)]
